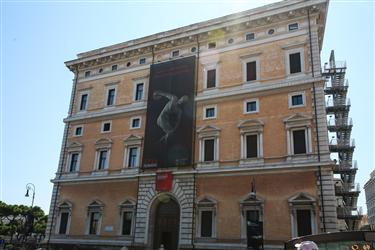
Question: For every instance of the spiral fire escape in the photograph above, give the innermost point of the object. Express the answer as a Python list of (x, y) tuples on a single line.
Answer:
[(341, 144)]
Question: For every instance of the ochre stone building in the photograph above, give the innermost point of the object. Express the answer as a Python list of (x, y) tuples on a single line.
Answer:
[(209, 136)]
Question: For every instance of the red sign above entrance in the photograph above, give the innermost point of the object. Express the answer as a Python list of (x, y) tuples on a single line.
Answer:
[(164, 181)]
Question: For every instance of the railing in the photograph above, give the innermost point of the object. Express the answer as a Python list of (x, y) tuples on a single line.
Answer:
[(334, 84), (332, 121), (347, 187), (334, 65), (339, 142), (345, 211), (331, 102)]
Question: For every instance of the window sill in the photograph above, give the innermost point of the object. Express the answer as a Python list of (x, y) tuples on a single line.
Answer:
[(208, 164), (301, 157), (251, 162), (127, 170), (209, 91), (100, 172)]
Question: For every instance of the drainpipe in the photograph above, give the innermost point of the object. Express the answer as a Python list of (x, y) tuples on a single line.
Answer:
[(316, 122)]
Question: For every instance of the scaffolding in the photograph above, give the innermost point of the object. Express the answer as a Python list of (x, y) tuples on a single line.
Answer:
[(340, 125)]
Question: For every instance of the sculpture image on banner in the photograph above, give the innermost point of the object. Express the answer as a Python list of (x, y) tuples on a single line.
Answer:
[(170, 107)]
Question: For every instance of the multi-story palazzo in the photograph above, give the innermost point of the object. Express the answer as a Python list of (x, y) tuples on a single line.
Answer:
[(209, 136)]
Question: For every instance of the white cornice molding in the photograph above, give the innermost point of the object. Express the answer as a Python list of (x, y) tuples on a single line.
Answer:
[(230, 170), (189, 31)]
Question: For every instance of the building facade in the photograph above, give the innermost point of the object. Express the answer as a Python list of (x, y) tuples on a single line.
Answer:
[(370, 200), (209, 136)]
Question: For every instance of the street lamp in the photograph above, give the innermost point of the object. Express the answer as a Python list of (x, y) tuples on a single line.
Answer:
[(30, 186)]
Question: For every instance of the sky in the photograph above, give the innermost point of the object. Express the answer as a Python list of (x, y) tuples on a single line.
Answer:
[(37, 37)]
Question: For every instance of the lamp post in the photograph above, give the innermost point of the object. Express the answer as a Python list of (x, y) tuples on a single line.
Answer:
[(30, 186)]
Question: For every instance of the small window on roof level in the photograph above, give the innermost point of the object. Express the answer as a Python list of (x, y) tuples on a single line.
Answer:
[(212, 45), (114, 67), (271, 31), (87, 73), (293, 26), (230, 40), (142, 61), (194, 49), (128, 64), (175, 53), (250, 36)]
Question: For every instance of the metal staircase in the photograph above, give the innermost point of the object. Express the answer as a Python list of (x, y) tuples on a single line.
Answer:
[(340, 125)]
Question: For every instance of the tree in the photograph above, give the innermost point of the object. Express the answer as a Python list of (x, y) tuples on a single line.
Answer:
[(21, 220)]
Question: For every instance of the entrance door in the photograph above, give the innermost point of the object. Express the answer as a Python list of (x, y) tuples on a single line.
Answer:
[(167, 222), (254, 230)]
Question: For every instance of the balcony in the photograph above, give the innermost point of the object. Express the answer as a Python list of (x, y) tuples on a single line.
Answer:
[(334, 85), (346, 189), (334, 67), (334, 105), (340, 124), (347, 213), (338, 145)]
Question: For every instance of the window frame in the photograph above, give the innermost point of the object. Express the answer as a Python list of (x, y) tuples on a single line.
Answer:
[(142, 60), (247, 59), (75, 130), (70, 159), (205, 112), (251, 203), (102, 145), (108, 89), (127, 206), (290, 99), (132, 141), (290, 24), (208, 67), (132, 120), (206, 204), (64, 207), (87, 73), (256, 100), (288, 52), (206, 133), (102, 127), (307, 140), (114, 67), (251, 127), (82, 93), (135, 96), (247, 34), (94, 207), (175, 51), (73, 148)]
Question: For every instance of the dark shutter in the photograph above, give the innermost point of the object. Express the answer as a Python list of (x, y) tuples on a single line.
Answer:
[(126, 223), (206, 224), (63, 223), (251, 71), (102, 159), (111, 97), (297, 100), (211, 78), (73, 162), (299, 141), (83, 102), (295, 63), (251, 146), (209, 147), (304, 222)]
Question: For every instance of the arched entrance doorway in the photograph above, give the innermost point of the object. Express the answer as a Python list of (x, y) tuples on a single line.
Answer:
[(167, 223)]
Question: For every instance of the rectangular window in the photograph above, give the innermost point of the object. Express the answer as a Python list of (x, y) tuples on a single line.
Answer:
[(299, 141), (142, 61), (251, 107), (106, 127), (212, 45), (63, 223), (209, 150), (251, 71), (94, 222), (250, 36), (73, 162), (78, 131), (175, 53), (293, 26), (126, 223), (83, 104), (210, 112), (206, 223), (295, 63), (132, 157), (254, 229), (297, 100), (211, 78), (304, 222), (139, 92), (87, 73), (111, 97), (102, 159), (114, 67), (251, 146), (136, 123)]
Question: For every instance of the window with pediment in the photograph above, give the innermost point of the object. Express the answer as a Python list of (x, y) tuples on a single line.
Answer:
[(103, 152), (127, 215), (206, 220), (94, 217), (74, 150), (64, 218), (208, 145), (251, 132), (132, 151), (302, 208), (252, 207), (298, 130)]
